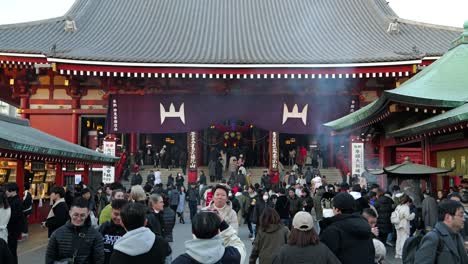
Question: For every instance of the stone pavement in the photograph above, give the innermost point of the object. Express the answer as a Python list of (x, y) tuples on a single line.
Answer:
[(33, 249)]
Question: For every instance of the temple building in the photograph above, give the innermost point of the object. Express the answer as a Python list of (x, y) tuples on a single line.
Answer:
[(256, 77), (425, 119)]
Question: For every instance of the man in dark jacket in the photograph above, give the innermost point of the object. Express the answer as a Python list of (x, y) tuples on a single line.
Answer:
[(150, 178), (346, 234), (282, 207), (27, 208), (215, 242), (265, 180), (139, 244), (444, 244), (154, 216), (136, 179), (294, 202), (384, 207), (193, 197), (112, 230), (16, 222), (76, 239), (58, 215)]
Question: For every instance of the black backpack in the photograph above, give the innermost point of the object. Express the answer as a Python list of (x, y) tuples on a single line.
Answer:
[(412, 245)]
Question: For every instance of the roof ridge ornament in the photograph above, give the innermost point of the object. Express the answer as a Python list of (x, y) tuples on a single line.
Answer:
[(394, 27), (463, 38), (70, 25)]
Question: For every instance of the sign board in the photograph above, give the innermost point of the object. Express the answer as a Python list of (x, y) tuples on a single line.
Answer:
[(192, 155), (38, 166), (274, 145), (77, 178), (357, 159), (70, 167), (108, 172)]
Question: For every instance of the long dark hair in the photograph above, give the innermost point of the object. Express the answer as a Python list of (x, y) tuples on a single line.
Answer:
[(269, 217), (3, 200), (303, 238)]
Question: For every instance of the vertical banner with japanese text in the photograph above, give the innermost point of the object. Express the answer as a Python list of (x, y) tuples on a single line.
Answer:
[(274, 151), (357, 159), (192, 147), (108, 172)]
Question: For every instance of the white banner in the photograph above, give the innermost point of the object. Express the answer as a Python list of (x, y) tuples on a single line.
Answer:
[(108, 172), (357, 158), (192, 150), (274, 151)]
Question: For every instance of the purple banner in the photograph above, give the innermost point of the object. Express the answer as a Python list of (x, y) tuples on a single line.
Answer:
[(185, 113)]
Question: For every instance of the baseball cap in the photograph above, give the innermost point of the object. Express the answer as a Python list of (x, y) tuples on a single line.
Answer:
[(303, 221), (344, 201)]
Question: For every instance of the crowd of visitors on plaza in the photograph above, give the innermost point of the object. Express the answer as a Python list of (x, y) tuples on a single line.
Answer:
[(296, 218)]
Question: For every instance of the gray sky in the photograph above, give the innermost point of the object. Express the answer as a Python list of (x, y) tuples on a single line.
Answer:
[(443, 12)]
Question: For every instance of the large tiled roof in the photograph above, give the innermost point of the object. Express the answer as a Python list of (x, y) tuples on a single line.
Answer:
[(229, 32), (17, 135), (442, 84)]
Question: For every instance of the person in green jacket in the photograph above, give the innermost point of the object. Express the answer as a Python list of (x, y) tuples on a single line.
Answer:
[(107, 210)]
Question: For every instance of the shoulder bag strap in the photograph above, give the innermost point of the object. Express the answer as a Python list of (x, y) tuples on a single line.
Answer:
[(81, 240)]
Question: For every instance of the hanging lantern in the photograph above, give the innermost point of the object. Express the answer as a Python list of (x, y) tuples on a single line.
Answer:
[(232, 134), (226, 135), (238, 135)]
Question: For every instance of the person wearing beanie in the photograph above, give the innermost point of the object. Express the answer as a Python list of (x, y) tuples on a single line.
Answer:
[(346, 234)]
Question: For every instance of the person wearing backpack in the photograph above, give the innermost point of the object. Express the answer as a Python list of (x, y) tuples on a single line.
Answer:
[(444, 244), (401, 218)]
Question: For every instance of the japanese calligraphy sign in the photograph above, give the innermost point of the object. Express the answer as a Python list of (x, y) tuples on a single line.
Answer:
[(274, 151), (357, 159), (192, 151), (108, 172)]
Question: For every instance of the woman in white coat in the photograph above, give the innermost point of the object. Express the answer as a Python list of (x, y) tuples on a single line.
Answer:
[(5, 213), (401, 218)]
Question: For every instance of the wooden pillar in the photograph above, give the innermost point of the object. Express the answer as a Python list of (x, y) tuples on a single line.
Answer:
[(20, 177), (86, 174), (24, 105), (74, 128), (331, 151), (273, 151), (193, 154), (59, 179), (133, 143)]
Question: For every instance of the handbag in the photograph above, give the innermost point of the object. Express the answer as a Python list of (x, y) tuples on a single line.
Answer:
[(72, 259)]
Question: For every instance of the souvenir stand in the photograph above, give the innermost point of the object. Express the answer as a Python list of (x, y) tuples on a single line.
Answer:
[(29, 155)]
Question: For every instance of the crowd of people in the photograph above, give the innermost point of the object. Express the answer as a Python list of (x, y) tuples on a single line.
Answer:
[(297, 219)]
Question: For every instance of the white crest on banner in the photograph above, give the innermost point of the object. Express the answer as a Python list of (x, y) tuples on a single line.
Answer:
[(172, 112), (357, 159), (295, 113)]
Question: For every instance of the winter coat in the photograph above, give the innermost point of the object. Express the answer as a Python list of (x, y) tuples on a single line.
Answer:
[(174, 197), (169, 218), (317, 254), (223, 248), (150, 178), (294, 205), (282, 207), (405, 217), (265, 181), (136, 179), (440, 246), (349, 237), (267, 243), (181, 205), (193, 195), (5, 214), (202, 179), (318, 204), (155, 222), (5, 255), (65, 240), (140, 246), (227, 213), (27, 203), (17, 219), (110, 234), (179, 181), (106, 214), (306, 204), (260, 206), (384, 207), (59, 218), (429, 211)]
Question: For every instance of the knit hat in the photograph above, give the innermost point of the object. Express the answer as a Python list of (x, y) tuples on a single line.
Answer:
[(345, 202), (303, 221)]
